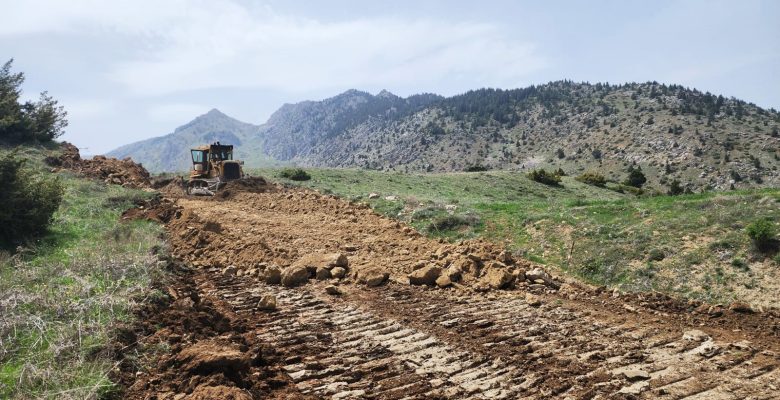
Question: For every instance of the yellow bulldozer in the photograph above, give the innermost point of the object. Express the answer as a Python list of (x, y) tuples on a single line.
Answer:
[(213, 167)]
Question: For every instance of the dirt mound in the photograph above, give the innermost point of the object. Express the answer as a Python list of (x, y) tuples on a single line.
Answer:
[(171, 187), (205, 357), (250, 184), (110, 170), (157, 209), (306, 224)]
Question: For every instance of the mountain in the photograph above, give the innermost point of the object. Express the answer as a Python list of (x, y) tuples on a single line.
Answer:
[(170, 152), (671, 132)]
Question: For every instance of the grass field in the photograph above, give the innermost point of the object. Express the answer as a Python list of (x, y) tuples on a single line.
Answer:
[(61, 296), (691, 245)]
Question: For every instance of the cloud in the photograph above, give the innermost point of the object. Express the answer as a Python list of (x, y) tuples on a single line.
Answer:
[(175, 112), (88, 108), (183, 46)]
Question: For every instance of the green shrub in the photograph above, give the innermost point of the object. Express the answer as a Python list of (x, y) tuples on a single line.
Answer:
[(29, 200), (295, 174), (656, 255), (475, 168), (762, 232), (675, 188), (636, 177), (592, 178), (545, 177), (620, 188), (739, 263), (452, 222)]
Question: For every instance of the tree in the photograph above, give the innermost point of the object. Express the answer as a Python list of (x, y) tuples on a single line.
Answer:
[(675, 188), (636, 177), (40, 121), (560, 153)]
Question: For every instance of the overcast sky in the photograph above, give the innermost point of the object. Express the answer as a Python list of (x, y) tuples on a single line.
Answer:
[(129, 70)]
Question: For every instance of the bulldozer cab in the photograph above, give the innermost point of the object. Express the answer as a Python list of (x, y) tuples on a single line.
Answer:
[(204, 158)]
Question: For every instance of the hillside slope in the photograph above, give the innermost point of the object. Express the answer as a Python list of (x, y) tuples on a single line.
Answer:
[(672, 132)]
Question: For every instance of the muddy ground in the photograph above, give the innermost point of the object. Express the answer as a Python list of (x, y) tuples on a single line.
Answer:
[(287, 293)]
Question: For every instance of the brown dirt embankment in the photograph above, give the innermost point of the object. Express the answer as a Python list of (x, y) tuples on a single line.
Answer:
[(124, 172)]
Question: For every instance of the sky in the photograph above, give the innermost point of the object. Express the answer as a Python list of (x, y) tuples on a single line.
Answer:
[(130, 70)]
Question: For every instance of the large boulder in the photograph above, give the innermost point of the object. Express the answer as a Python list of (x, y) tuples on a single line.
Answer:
[(425, 275), (295, 275), (373, 276), (497, 278)]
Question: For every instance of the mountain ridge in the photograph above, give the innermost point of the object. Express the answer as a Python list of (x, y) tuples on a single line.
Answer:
[(672, 132)]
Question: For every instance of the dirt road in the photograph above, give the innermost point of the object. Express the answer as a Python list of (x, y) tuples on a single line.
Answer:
[(394, 341)]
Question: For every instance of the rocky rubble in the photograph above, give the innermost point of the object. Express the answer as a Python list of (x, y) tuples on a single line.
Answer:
[(110, 170), (293, 259)]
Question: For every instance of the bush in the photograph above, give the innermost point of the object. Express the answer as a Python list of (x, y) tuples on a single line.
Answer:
[(740, 264), (452, 222), (656, 255), (762, 232), (675, 188), (295, 174), (545, 177), (592, 178), (475, 168), (29, 200), (636, 177)]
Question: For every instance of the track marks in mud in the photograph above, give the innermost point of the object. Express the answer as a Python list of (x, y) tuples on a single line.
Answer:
[(402, 342)]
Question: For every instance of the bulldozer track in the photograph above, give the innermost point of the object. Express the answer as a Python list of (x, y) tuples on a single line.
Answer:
[(404, 342), (399, 341)]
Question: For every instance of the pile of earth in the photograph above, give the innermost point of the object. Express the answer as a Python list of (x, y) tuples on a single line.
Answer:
[(170, 187), (206, 353), (360, 245), (249, 184), (156, 209), (110, 170)]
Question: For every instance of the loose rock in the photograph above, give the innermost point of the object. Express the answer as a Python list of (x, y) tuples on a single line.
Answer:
[(425, 276), (497, 278), (443, 281), (740, 308), (373, 277), (695, 335), (332, 290), (323, 273), (338, 272), (267, 303), (230, 270), (272, 275), (533, 300), (295, 275), (636, 375)]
